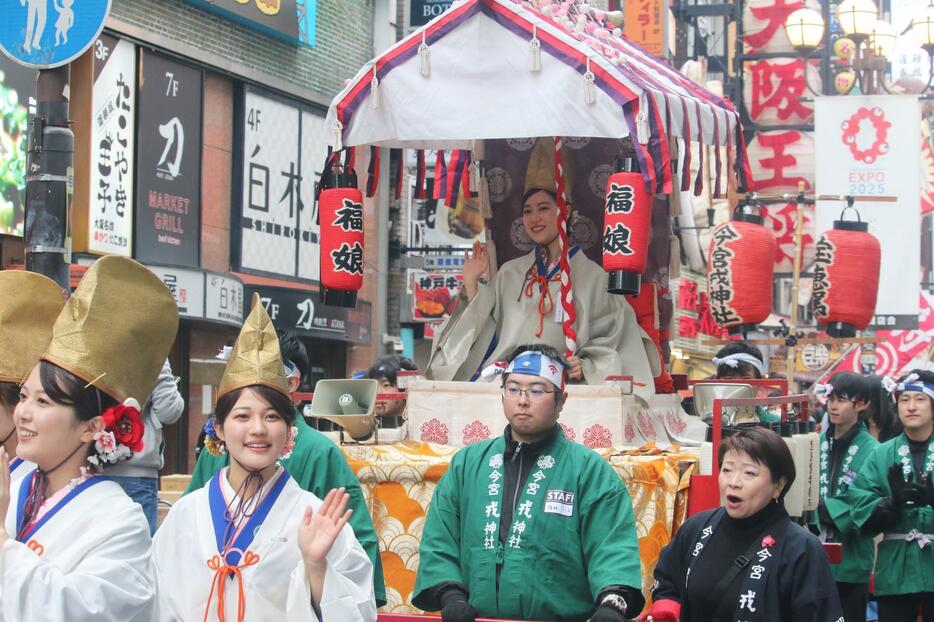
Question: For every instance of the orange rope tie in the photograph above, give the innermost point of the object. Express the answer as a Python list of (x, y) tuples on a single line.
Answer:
[(546, 304), (221, 571)]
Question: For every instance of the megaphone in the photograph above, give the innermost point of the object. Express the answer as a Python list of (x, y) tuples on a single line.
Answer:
[(348, 403), (706, 392)]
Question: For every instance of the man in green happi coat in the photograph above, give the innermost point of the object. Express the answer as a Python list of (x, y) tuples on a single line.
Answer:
[(893, 495), (530, 525), (844, 447), (316, 463)]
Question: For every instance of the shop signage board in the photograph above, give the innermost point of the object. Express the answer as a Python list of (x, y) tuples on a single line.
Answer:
[(43, 34), (281, 151), (860, 147), (301, 311), (223, 299), (168, 182), (645, 24), (293, 21), (423, 11), (113, 115), (433, 294), (187, 287)]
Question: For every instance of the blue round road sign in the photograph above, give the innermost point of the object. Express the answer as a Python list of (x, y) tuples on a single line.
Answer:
[(49, 33)]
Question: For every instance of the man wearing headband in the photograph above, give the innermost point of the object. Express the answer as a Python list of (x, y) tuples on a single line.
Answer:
[(386, 371), (844, 448), (316, 463), (530, 525), (741, 361), (893, 495)]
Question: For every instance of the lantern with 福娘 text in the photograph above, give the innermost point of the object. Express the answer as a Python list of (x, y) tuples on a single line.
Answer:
[(627, 223), (739, 273), (846, 278), (340, 214)]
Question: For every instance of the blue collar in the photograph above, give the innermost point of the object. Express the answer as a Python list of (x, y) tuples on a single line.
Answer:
[(541, 257), (24, 489), (222, 521)]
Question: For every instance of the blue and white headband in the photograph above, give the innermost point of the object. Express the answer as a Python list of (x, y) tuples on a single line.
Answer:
[(913, 383), (733, 360), (538, 364)]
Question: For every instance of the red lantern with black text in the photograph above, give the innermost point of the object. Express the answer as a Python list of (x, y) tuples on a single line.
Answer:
[(340, 214), (627, 223), (846, 278), (739, 273)]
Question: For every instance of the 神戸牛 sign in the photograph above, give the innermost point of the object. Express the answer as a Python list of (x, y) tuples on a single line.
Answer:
[(293, 21), (168, 181), (861, 144), (113, 116), (434, 294)]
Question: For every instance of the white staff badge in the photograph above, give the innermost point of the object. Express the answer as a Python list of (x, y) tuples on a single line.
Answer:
[(559, 502)]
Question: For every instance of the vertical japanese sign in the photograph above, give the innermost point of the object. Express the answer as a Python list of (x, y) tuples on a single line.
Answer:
[(281, 156), (168, 183), (861, 147), (113, 106), (645, 22)]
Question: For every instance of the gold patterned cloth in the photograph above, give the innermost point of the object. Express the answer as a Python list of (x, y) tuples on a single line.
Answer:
[(398, 481), (256, 358), (29, 306)]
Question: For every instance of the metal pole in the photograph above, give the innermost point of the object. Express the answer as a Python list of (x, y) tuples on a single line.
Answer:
[(795, 282), (50, 179)]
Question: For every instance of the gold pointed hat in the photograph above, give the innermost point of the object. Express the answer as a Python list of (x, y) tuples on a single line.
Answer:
[(540, 172), (29, 304), (255, 358), (116, 330)]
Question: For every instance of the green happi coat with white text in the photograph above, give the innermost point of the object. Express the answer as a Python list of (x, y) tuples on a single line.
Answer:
[(902, 567), (572, 534)]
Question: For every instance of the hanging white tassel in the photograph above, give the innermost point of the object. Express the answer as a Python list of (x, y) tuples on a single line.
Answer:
[(424, 58), (590, 89), (535, 51), (374, 90), (337, 132), (642, 121)]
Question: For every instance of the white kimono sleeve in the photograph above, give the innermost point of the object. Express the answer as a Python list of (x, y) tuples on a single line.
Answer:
[(348, 585), (113, 580)]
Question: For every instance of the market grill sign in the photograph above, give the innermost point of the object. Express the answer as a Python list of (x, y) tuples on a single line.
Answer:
[(292, 21), (168, 167)]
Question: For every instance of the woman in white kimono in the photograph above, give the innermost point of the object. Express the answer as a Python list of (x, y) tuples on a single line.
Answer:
[(73, 546), (522, 303), (251, 544), (29, 304)]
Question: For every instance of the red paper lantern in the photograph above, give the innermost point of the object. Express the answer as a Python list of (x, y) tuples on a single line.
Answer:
[(627, 222), (846, 278), (739, 273), (340, 214)]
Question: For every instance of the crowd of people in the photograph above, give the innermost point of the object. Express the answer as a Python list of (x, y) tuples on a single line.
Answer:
[(527, 525)]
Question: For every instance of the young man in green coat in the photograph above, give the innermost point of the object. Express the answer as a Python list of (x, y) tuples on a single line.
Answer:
[(893, 495), (530, 525), (844, 447), (316, 463)]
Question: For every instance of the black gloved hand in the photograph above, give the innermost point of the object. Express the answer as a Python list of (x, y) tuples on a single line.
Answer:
[(454, 606), (905, 492), (606, 613), (926, 490)]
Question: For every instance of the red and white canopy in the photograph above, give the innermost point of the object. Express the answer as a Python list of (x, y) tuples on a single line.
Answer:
[(468, 75)]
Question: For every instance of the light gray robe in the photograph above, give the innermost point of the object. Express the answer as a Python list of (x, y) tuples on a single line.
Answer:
[(609, 339)]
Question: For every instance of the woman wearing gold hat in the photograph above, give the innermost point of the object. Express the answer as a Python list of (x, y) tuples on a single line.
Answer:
[(73, 546), (521, 304), (29, 304), (251, 544)]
